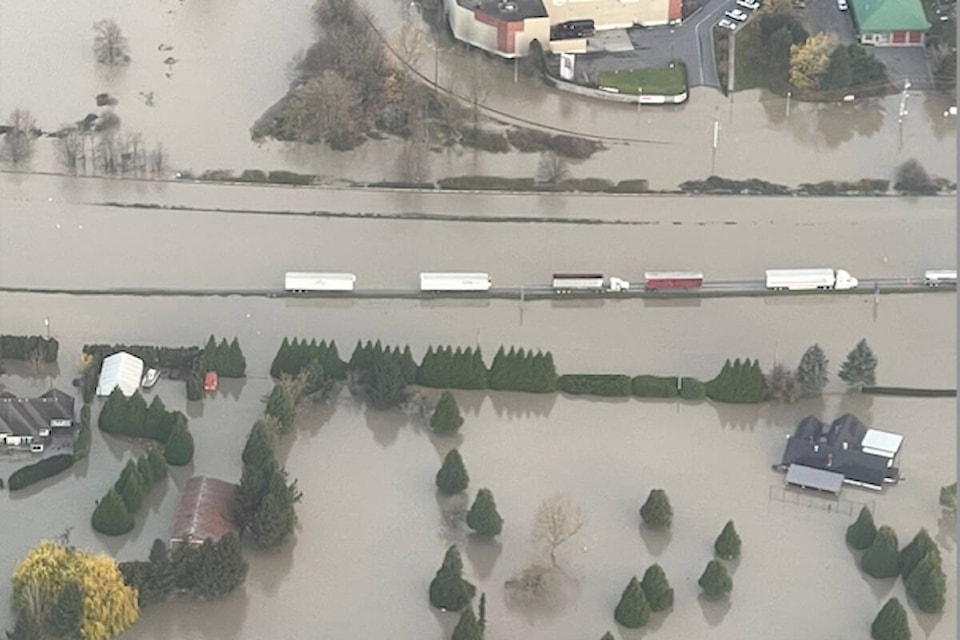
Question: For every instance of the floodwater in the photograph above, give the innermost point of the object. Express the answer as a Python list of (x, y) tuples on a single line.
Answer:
[(373, 530), (728, 238), (230, 66)]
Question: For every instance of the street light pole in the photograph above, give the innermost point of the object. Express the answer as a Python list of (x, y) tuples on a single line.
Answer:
[(640, 100), (716, 141), (788, 103), (903, 112)]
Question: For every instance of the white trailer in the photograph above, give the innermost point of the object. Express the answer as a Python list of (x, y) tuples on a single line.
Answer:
[(596, 282), (455, 282), (937, 277), (304, 281), (809, 279)]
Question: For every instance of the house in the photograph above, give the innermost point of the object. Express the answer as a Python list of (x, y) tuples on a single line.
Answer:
[(123, 370), (890, 23), (840, 451), (205, 511), (507, 28), (33, 421)]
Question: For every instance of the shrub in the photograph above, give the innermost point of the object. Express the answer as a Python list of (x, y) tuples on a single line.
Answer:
[(948, 496), (28, 348), (692, 389), (715, 580), (111, 516), (130, 487), (861, 533), (252, 175), (446, 417), (891, 622), (632, 186), (489, 141), (289, 177), (158, 465), (728, 542), (529, 140), (658, 591), (81, 446), (483, 517), (656, 511), (881, 559), (912, 554), (37, 471), (912, 178), (654, 386), (611, 385), (448, 589), (632, 611), (718, 185), (486, 183), (452, 476), (584, 185)]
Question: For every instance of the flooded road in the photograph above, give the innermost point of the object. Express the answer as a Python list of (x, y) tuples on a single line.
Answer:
[(239, 59), (373, 528), (241, 246)]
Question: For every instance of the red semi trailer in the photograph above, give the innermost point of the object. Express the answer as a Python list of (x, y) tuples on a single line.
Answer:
[(672, 280)]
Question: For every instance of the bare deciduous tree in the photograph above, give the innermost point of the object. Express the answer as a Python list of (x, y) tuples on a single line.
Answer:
[(158, 162), (536, 583), (477, 84), (410, 43), (18, 139), (552, 168), (413, 160), (109, 44), (71, 147), (321, 107), (557, 520)]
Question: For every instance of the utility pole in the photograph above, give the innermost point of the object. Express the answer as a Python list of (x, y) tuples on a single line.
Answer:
[(788, 103)]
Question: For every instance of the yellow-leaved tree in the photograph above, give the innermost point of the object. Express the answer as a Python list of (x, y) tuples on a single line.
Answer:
[(109, 606), (809, 61)]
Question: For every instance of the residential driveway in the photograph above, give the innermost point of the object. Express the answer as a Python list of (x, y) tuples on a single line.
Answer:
[(823, 16), (905, 63)]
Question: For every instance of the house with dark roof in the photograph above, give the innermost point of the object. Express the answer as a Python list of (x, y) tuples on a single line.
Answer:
[(205, 511), (890, 23), (838, 450), (31, 422)]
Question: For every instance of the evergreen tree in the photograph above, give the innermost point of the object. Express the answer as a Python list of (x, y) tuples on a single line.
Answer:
[(153, 426), (607, 636), (656, 511), (136, 416), (160, 581), (912, 554), (483, 517), (260, 445), (281, 406), (715, 580), (131, 487), (482, 612), (212, 570), (111, 516), (632, 611), (927, 584), (273, 521), (657, 589), (468, 627), (282, 353), (446, 417), (452, 477), (158, 466), (238, 364), (495, 379), (68, 611), (179, 449), (146, 471), (812, 371), (448, 589), (254, 485), (408, 366), (861, 533), (210, 360), (860, 367), (384, 384), (223, 359), (948, 496), (891, 622), (880, 560), (728, 542)]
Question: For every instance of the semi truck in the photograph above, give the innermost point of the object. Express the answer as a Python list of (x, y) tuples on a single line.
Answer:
[(809, 279), (305, 281), (655, 280), (595, 282), (937, 277), (455, 282)]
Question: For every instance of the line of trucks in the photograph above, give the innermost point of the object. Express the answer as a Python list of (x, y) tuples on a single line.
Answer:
[(566, 283)]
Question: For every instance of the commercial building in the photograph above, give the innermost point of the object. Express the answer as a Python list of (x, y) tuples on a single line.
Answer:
[(890, 23)]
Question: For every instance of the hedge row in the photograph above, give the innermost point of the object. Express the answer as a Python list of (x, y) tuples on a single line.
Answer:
[(226, 359), (24, 348), (172, 357), (38, 471), (609, 385), (131, 417), (447, 368), (643, 386), (81, 446), (366, 355), (113, 514), (740, 382), (294, 356), (905, 391)]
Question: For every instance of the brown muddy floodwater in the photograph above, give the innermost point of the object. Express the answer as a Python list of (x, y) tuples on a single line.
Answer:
[(230, 66), (373, 532)]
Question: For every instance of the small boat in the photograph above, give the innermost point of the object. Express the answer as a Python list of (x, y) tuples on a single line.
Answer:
[(210, 381), (150, 378)]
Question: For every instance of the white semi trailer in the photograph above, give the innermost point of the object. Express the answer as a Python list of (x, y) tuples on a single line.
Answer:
[(810, 279), (305, 281), (596, 282), (455, 282)]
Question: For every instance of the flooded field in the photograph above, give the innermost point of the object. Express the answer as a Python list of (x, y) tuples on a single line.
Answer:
[(373, 529), (229, 66)]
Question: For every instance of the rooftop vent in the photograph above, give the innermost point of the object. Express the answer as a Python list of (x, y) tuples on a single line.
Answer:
[(508, 7)]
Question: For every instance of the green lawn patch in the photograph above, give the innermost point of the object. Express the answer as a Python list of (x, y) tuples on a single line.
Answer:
[(654, 82)]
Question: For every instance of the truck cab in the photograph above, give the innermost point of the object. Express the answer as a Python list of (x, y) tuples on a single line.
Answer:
[(845, 280)]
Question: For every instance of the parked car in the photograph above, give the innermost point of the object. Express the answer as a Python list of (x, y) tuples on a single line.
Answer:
[(842, 5), (736, 14), (748, 4), (727, 24), (210, 381)]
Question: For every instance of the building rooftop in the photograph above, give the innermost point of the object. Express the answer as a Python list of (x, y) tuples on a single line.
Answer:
[(27, 416), (510, 11), (889, 15), (205, 511), (803, 476)]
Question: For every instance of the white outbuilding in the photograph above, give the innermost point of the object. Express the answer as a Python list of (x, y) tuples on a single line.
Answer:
[(122, 370)]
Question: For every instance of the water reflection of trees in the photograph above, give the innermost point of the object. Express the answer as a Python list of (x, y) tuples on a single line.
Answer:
[(656, 540), (714, 611), (482, 554), (838, 122), (522, 405), (737, 416), (385, 425)]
